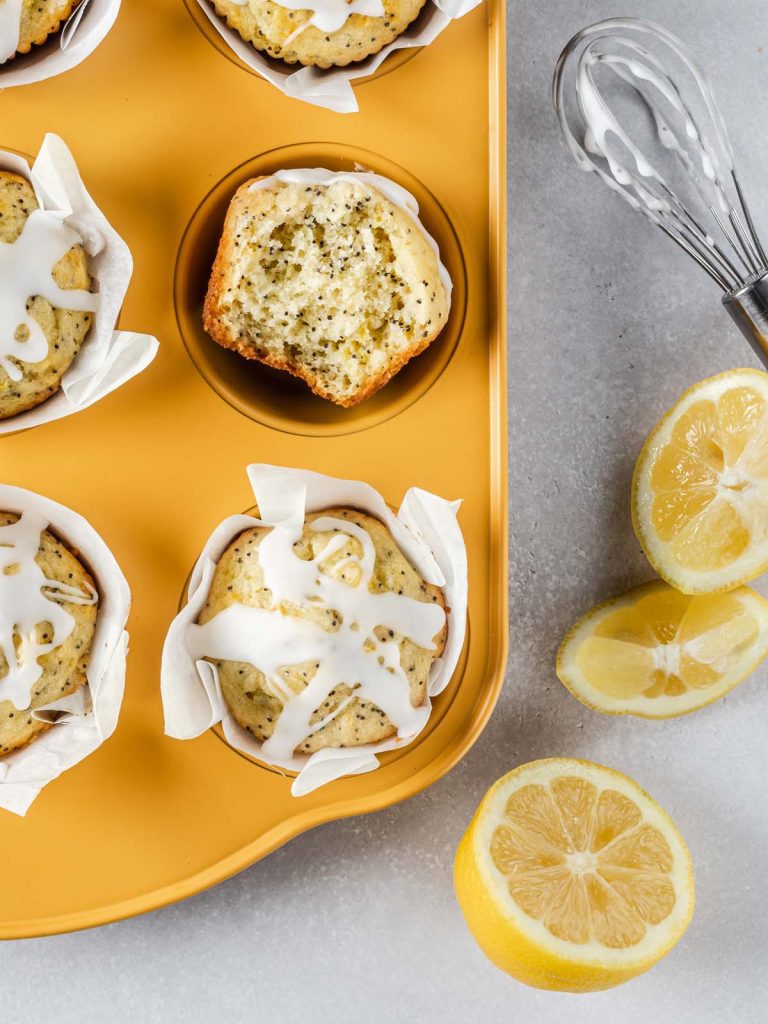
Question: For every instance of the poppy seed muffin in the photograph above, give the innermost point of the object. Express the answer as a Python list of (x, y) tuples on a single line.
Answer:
[(38, 20), (64, 329), (338, 556), (319, 35), (64, 666), (324, 276)]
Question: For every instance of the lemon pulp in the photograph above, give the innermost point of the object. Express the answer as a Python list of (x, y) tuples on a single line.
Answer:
[(583, 862), (656, 652)]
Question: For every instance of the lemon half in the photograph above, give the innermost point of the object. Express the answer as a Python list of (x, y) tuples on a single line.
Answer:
[(657, 653), (572, 878), (700, 489)]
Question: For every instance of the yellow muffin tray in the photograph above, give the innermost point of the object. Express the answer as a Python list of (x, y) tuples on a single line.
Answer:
[(163, 128)]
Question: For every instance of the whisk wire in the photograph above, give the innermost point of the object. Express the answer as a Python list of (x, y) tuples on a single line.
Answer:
[(720, 235), (739, 243), (602, 144), (762, 261), (695, 255)]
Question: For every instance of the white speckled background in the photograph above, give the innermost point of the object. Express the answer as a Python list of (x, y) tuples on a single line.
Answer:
[(356, 922)]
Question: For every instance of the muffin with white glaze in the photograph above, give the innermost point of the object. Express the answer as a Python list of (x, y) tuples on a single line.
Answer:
[(328, 276), (328, 33), (46, 304), (323, 634), (28, 23)]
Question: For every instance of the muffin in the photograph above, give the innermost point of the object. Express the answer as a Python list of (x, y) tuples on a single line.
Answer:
[(28, 23), (324, 34), (48, 609), (323, 636), (37, 348), (326, 277)]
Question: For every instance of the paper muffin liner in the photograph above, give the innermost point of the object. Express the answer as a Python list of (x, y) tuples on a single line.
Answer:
[(426, 530), (107, 358), (85, 719), (332, 87), (86, 27)]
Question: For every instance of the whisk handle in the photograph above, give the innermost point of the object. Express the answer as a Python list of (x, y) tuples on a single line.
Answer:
[(748, 307)]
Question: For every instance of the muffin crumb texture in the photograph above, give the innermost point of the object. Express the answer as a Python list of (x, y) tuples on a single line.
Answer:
[(333, 283)]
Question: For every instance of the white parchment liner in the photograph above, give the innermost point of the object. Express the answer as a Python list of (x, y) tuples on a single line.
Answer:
[(426, 530), (77, 39), (108, 358), (88, 717), (332, 87)]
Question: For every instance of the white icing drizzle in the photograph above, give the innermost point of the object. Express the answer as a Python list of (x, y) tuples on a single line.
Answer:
[(327, 15), (271, 640), (10, 28), (27, 599), (26, 271)]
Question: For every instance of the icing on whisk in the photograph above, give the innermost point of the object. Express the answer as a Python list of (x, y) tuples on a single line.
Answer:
[(28, 599), (26, 271), (271, 640), (328, 15), (675, 166)]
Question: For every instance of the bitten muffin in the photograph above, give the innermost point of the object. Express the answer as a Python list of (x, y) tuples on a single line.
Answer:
[(64, 667), (39, 20), (239, 579), (65, 330), (295, 36), (332, 282)]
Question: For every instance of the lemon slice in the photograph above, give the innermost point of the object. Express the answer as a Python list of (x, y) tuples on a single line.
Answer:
[(571, 877), (700, 490), (657, 653)]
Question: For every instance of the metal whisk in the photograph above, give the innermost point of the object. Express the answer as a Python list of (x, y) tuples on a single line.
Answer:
[(684, 179)]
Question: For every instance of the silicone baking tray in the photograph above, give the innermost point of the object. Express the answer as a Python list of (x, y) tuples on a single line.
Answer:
[(164, 128)]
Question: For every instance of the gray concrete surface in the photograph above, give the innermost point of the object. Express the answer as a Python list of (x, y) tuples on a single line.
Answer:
[(608, 325)]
